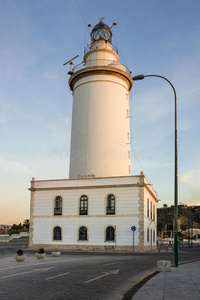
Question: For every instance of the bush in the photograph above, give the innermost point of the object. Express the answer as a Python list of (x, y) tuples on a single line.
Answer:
[(41, 251), (20, 252)]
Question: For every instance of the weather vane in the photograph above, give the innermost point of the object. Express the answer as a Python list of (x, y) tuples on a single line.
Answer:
[(101, 19)]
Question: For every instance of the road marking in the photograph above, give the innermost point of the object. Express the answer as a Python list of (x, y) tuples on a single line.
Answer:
[(114, 272), (45, 263), (27, 272), (114, 263), (141, 278), (56, 276)]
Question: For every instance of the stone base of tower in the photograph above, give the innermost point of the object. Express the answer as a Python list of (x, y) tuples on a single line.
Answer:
[(94, 214), (92, 248)]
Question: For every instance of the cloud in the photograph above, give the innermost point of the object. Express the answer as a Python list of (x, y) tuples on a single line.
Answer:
[(13, 167), (192, 178)]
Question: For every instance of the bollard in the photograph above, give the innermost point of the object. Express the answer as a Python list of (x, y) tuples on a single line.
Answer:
[(164, 266)]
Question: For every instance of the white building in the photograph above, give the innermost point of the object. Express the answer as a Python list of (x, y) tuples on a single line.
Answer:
[(96, 208)]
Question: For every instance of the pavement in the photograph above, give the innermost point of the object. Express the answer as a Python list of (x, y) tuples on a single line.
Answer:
[(181, 283)]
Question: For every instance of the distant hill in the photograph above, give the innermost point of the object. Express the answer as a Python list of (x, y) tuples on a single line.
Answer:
[(165, 217)]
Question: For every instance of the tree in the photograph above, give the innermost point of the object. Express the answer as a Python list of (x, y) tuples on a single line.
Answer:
[(26, 224)]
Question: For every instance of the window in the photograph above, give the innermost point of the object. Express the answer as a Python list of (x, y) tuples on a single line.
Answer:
[(129, 156), (129, 169), (83, 205), (82, 233), (128, 136), (110, 208), (58, 206), (57, 234), (154, 236), (148, 207), (110, 233), (154, 213), (147, 234), (151, 211)]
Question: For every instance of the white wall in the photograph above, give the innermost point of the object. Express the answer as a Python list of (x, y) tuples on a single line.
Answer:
[(126, 204), (148, 221), (100, 134)]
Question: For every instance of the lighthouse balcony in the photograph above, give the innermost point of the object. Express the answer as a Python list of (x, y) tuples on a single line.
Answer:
[(100, 45), (101, 63)]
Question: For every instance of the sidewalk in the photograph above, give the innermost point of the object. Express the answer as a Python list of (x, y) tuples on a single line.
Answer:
[(181, 283)]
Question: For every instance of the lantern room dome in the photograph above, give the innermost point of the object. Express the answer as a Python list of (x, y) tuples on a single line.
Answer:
[(101, 31)]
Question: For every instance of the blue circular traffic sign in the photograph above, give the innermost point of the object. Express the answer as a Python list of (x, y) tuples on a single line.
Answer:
[(133, 228)]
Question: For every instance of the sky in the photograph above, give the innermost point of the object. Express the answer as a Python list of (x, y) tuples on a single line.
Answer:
[(153, 37)]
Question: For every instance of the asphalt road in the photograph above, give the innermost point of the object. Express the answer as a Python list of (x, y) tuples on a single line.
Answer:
[(78, 275)]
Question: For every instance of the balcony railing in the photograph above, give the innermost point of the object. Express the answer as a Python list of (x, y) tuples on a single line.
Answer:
[(57, 211), (83, 211), (88, 48), (100, 63), (110, 210)]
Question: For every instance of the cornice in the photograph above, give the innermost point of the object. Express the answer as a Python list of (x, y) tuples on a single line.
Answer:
[(102, 70)]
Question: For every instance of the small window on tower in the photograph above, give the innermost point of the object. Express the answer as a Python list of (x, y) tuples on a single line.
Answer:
[(129, 169), (128, 136), (129, 156)]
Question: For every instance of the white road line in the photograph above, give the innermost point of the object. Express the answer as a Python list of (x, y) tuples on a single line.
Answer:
[(45, 263), (114, 263), (114, 272), (93, 279), (27, 272), (56, 276)]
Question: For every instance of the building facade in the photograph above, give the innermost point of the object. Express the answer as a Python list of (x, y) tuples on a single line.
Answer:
[(93, 214), (98, 205)]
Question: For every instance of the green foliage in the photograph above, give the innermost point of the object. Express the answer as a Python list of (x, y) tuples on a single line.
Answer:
[(15, 229), (41, 251), (165, 215), (20, 252)]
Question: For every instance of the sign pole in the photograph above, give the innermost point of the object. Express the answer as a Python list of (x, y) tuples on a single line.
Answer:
[(133, 228)]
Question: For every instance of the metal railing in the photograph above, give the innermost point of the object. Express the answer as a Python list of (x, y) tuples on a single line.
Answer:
[(57, 211), (100, 62), (83, 211), (110, 210), (88, 48)]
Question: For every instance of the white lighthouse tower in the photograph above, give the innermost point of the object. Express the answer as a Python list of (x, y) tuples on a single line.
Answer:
[(101, 206), (100, 135)]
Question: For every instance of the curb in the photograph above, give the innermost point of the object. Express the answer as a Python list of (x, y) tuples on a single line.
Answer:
[(138, 285)]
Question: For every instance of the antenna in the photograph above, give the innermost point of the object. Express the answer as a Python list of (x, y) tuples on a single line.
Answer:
[(71, 64)]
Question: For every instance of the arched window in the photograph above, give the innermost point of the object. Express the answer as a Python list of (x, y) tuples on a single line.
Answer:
[(110, 207), (57, 234), (110, 233), (83, 205), (82, 233), (58, 206)]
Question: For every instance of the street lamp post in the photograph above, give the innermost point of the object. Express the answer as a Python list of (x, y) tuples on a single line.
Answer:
[(140, 77)]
